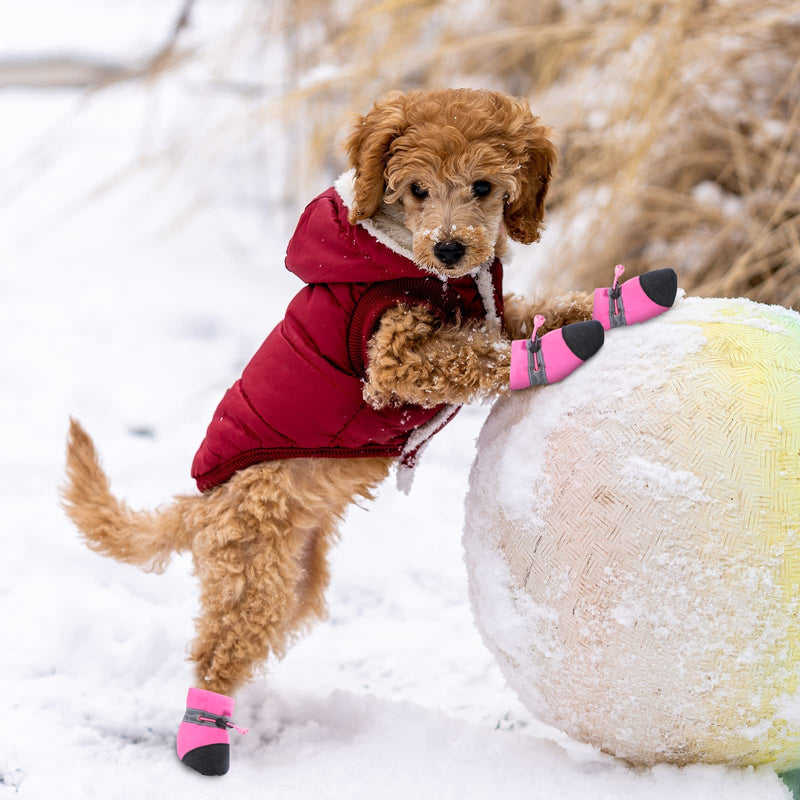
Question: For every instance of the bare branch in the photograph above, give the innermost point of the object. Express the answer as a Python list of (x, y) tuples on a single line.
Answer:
[(74, 71)]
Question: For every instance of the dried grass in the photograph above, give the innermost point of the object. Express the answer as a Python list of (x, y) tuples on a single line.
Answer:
[(703, 174), (679, 122)]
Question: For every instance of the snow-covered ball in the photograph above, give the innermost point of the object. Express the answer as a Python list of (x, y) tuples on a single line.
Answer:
[(633, 540)]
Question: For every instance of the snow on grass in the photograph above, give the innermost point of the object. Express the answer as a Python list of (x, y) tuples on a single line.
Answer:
[(123, 309)]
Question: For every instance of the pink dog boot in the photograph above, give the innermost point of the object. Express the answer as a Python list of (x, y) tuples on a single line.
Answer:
[(203, 742), (636, 300), (549, 359)]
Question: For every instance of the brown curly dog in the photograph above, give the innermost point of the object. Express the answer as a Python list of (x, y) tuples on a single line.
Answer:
[(445, 175)]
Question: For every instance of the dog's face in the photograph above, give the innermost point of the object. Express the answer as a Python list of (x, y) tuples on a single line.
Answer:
[(456, 223), (460, 167)]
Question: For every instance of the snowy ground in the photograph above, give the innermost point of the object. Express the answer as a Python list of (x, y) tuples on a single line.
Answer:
[(131, 298)]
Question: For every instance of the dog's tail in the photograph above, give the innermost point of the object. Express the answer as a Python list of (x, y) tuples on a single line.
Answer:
[(108, 525)]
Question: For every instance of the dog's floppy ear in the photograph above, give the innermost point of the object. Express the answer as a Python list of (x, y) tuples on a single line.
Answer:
[(525, 211), (368, 151)]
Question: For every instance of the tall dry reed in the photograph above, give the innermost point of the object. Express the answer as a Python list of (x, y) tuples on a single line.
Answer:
[(678, 122)]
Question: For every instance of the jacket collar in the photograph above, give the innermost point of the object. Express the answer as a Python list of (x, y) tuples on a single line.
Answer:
[(345, 187), (482, 275)]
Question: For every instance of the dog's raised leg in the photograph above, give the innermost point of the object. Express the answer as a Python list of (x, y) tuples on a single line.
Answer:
[(415, 359)]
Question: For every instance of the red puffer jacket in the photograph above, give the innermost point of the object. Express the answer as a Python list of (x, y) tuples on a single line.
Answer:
[(301, 394)]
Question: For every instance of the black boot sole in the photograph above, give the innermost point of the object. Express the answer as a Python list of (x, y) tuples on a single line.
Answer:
[(584, 338), (660, 285), (211, 759)]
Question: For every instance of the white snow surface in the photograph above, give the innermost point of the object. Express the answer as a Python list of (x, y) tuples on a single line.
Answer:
[(131, 298)]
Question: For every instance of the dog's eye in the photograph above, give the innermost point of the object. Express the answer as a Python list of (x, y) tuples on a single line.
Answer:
[(481, 188), (418, 191)]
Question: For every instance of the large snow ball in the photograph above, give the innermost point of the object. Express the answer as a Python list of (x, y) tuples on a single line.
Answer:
[(633, 540)]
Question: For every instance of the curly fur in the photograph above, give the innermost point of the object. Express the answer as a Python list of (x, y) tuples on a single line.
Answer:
[(144, 538), (558, 311), (412, 359), (443, 141), (260, 541)]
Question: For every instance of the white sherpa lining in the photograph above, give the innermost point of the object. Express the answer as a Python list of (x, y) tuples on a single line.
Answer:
[(404, 476), (345, 186), (483, 280), (420, 438)]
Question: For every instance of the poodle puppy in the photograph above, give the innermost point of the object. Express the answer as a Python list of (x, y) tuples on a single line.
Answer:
[(402, 320)]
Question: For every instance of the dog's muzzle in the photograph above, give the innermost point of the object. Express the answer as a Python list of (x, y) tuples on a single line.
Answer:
[(449, 252)]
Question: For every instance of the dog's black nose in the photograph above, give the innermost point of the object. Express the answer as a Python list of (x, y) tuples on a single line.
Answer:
[(449, 252)]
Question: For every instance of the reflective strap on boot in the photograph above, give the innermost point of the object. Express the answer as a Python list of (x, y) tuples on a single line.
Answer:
[(616, 308), (196, 716), (536, 367)]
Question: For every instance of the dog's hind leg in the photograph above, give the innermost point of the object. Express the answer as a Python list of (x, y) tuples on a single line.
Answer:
[(247, 556), (261, 555), (330, 487), (310, 590)]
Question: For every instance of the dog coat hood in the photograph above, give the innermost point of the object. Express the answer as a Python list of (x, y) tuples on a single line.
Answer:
[(300, 396)]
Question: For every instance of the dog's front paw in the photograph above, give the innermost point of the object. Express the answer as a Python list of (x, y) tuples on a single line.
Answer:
[(376, 397), (550, 358), (637, 300)]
